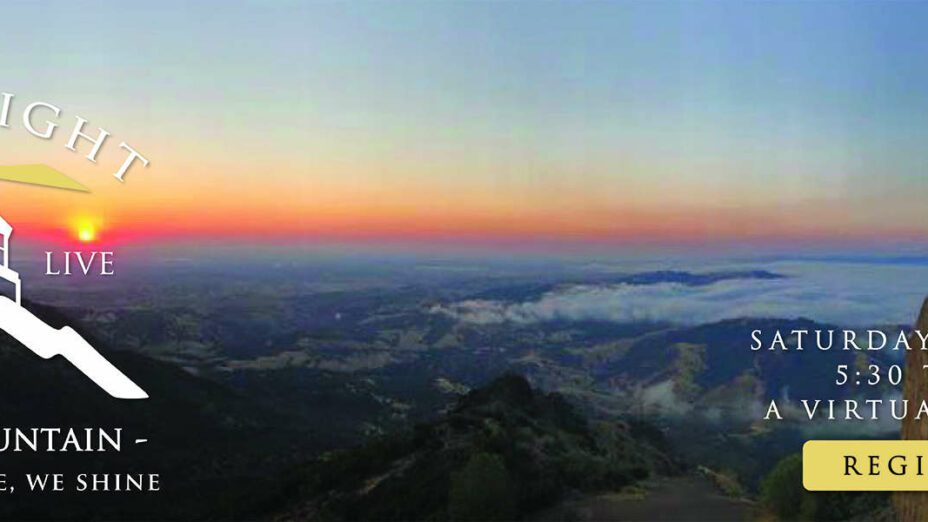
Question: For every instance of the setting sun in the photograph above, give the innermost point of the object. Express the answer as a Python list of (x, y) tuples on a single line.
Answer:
[(86, 234), (86, 229)]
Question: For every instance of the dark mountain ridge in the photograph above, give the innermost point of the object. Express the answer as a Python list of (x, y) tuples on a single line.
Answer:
[(211, 445), (505, 450)]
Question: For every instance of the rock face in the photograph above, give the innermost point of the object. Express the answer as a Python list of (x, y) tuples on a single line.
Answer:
[(913, 506)]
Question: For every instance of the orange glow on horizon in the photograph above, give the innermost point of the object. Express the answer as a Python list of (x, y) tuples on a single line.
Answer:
[(165, 208)]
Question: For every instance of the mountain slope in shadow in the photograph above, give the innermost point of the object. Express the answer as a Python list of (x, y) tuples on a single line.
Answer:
[(211, 445), (504, 451)]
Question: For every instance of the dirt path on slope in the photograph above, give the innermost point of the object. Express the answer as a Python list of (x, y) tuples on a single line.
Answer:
[(678, 499)]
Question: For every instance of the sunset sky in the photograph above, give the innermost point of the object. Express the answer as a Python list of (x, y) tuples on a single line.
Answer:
[(512, 122)]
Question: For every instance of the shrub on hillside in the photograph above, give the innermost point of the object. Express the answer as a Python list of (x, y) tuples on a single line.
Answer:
[(481, 491)]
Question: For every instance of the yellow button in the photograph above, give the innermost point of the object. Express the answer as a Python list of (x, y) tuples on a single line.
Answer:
[(865, 465)]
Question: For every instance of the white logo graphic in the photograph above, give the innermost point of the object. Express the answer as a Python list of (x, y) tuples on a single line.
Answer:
[(48, 342)]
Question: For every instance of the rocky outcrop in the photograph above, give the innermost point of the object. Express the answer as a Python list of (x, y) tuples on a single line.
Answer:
[(913, 506)]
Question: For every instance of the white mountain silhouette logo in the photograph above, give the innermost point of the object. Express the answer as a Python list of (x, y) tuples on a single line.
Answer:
[(47, 342)]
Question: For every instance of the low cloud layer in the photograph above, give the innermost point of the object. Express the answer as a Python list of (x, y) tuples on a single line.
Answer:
[(843, 294)]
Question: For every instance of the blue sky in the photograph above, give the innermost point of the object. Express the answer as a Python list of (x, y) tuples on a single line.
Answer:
[(555, 119)]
